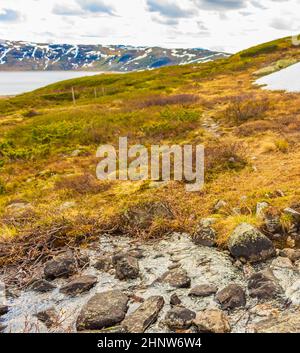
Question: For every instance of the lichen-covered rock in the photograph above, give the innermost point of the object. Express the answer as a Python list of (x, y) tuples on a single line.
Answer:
[(179, 318), (103, 310), (212, 321), (284, 323), (126, 268), (79, 285), (263, 285), (203, 290), (176, 278), (145, 315), (250, 244), (41, 286), (205, 236), (231, 297)]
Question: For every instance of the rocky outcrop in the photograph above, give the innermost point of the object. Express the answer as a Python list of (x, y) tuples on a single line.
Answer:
[(212, 321), (263, 285), (176, 278), (103, 310), (250, 244), (144, 316), (179, 318), (41, 286), (284, 323), (203, 290), (231, 297), (79, 285)]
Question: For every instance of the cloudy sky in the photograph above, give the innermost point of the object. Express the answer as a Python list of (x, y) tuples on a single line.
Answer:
[(228, 25)]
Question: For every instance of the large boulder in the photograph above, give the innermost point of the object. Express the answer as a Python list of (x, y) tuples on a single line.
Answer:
[(212, 321), (145, 315), (79, 285), (231, 297), (284, 323), (249, 243), (263, 285), (103, 310), (176, 278), (179, 318)]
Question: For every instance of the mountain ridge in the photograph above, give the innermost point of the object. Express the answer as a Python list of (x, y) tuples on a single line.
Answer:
[(28, 56)]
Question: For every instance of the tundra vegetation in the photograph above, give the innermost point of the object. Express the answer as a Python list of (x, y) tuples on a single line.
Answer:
[(49, 194)]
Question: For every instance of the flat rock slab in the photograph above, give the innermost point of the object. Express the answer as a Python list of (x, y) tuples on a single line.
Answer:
[(103, 310), (41, 286), (212, 321), (144, 316), (79, 285), (231, 297), (179, 318), (176, 278), (284, 323), (203, 290)]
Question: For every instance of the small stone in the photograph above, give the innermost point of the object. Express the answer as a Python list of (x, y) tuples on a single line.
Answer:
[(291, 254), (145, 315), (179, 318), (260, 207), (3, 310), (60, 267), (219, 205), (282, 262), (263, 285), (212, 321), (175, 300), (41, 286), (204, 290), (127, 268), (176, 278), (49, 317), (79, 285), (249, 243), (103, 263), (205, 236), (290, 242), (231, 297), (103, 310)]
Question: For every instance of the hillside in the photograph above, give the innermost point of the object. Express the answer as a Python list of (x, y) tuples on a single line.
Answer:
[(50, 197), (26, 56)]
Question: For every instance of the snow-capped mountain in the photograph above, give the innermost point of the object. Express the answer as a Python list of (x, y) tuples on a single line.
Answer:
[(25, 56)]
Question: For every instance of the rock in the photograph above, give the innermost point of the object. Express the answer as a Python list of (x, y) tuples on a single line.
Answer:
[(249, 243), (79, 285), (219, 205), (260, 207), (272, 225), (176, 278), (205, 236), (103, 310), (49, 317), (212, 321), (293, 213), (3, 309), (60, 267), (263, 285), (179, 318), (290, 242), (207, 222), (126, 268), (2, 328), (67, 205), (103, 263), (145, 315), (231, 297), (175, 300), (281, 262), (203, 290), (284, 323), (41, 286)]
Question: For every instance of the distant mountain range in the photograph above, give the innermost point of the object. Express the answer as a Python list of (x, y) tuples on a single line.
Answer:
[(26, 56)]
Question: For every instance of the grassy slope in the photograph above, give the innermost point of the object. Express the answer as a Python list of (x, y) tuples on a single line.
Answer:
[(39, 130)]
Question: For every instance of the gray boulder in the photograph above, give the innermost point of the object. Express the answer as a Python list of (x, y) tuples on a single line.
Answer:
[(103, 310), (250, 244), (60, 267)]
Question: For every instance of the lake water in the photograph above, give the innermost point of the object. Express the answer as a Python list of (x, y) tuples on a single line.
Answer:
[(12, 83), (287, 79)]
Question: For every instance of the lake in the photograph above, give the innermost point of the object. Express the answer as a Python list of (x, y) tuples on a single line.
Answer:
[(287, 79), (13, 83)]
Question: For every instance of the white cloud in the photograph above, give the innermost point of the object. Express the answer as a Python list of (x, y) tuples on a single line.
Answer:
[(228, 24)]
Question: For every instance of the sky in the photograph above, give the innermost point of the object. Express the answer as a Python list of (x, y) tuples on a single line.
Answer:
[(229, 25)]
